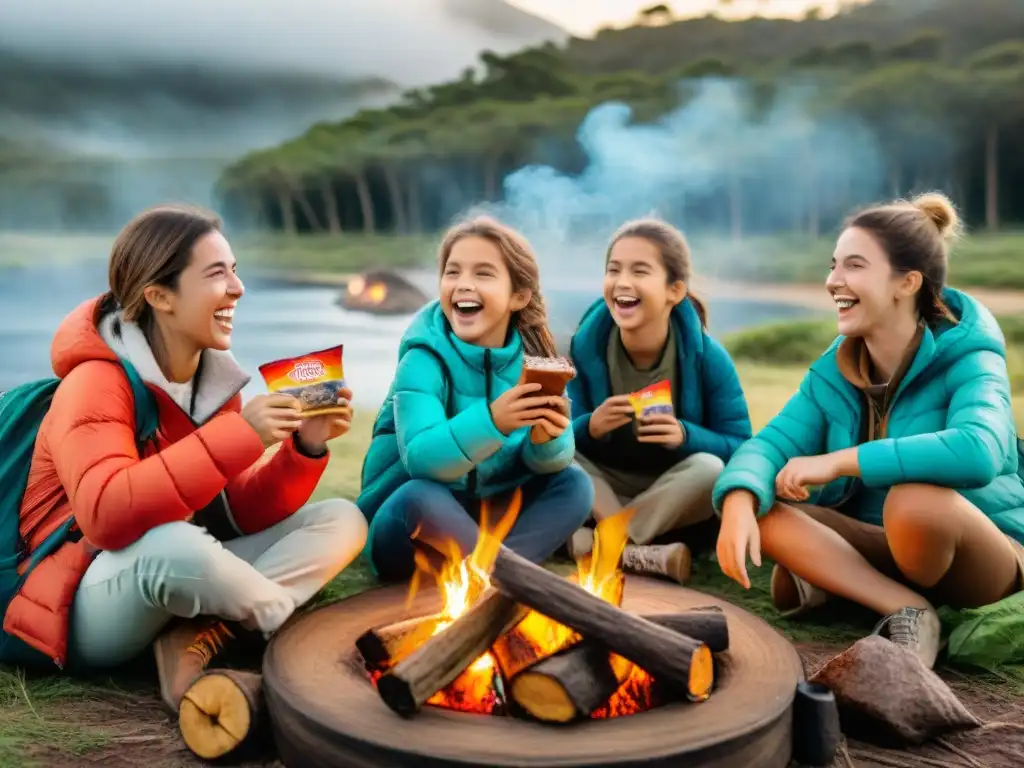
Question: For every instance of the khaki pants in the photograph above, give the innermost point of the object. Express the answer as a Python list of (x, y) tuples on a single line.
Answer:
[(178, 569), (679, 498)]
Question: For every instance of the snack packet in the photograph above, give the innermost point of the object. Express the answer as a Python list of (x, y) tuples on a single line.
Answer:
[(552, 373), (656, 398), (314, 379)]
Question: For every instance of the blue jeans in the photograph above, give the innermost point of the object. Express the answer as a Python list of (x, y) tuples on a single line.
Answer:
[(554, 506)]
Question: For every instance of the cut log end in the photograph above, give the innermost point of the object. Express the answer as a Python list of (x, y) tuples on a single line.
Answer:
[(397, 694), (543, 698), (702, 674), (219, 712)]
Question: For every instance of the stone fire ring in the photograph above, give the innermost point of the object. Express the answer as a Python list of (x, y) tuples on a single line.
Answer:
[(325, 712)]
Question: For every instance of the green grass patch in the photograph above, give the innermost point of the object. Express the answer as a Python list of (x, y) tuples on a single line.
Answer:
[(29, 724), (797, 342)]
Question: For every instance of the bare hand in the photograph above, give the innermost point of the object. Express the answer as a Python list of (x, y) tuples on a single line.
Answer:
[(554, 422), (317, 430), (661, 429), (804, 472), (610, 415), (274, 417), (514, 409), (739, 536)]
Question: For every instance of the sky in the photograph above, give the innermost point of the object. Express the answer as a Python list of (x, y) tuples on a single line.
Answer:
[(583, 17)]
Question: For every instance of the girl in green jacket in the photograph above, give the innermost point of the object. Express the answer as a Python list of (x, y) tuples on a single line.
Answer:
[(892, 477)]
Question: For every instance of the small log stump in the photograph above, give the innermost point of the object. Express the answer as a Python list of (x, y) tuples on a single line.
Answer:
[(325, 712)]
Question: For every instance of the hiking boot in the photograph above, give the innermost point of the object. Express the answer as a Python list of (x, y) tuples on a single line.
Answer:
[(669, 560), (793, 596), (916, 629), (581, 544), (182, 655)]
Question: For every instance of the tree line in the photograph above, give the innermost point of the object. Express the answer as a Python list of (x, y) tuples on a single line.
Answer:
[(944, 102)]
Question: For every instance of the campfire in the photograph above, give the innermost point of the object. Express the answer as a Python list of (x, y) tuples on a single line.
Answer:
[(382, 292), (371, 293), (514, 639)]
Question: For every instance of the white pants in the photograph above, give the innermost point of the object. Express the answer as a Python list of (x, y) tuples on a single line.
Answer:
[(178, 569)]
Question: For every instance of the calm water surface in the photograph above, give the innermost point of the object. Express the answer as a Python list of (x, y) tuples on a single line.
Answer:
[(273, 321)]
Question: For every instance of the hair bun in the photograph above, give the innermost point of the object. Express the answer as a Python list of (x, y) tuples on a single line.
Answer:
[(937, 207)]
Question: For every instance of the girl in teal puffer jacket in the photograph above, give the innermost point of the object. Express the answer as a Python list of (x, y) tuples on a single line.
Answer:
[(892, 477), (455, 426)]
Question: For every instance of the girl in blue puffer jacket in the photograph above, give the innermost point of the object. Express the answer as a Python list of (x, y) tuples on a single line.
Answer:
[(892, 477), (455, 426)]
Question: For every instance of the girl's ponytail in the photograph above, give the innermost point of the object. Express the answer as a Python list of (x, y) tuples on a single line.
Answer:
[(532, 323)]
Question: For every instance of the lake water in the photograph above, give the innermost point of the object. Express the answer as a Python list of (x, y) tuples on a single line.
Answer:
[(275, 321)]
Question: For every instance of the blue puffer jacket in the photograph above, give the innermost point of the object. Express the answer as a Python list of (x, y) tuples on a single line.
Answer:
[(950, 425), (414, 438), (709, 402)]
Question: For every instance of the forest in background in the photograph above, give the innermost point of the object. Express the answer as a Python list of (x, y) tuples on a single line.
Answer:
[(745, 128)]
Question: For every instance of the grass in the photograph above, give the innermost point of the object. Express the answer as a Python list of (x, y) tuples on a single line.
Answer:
[(34, 715), (981, 260)]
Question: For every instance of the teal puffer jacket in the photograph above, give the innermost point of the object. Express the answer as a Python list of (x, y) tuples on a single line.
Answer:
[(436, 421), (950, 425)]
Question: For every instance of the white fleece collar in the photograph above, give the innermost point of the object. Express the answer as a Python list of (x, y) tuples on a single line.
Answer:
[(220, 379)]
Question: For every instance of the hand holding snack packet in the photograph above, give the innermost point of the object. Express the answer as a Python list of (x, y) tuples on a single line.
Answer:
[(273, 417), (661, 429), (656, 419), (316, 431), (519, 407), (554, 422), (610, 415)]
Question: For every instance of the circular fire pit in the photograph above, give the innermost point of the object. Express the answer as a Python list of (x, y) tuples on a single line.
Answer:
[(325, 711)]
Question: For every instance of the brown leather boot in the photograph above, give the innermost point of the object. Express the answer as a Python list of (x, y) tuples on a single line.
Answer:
[(183, 653), (671, 561)]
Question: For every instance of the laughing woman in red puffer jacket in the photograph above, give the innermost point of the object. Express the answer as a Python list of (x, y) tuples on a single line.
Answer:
[(193, 525)]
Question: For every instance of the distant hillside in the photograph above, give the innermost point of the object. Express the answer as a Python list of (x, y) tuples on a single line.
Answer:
[(965, 26)]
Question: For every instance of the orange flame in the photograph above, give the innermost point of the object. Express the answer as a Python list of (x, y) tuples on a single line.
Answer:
[(462, 580), (376, 293)]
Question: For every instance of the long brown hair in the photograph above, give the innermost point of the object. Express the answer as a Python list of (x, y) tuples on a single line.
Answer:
[(154, 248), (532, 320), (915, 235), (674, 250)]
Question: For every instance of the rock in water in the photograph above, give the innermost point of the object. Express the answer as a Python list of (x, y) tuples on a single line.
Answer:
[(887, 696)]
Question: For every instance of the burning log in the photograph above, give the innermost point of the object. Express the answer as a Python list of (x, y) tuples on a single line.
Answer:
[(675, 659), (574, 683), (515, 651), (384, 646), (442, 658)]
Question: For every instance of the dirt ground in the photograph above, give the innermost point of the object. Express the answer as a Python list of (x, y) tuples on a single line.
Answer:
[(136, 731)]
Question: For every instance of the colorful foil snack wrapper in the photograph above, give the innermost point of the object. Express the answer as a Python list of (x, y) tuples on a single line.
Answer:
[(657, 398), (314, 379)]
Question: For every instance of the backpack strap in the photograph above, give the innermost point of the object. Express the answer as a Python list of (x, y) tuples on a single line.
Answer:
[(147, 416)]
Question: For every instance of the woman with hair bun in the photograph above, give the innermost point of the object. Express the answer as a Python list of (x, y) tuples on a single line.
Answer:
[(892, 477)]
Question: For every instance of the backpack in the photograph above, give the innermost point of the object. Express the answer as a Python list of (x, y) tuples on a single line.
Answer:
[(21, 414)]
